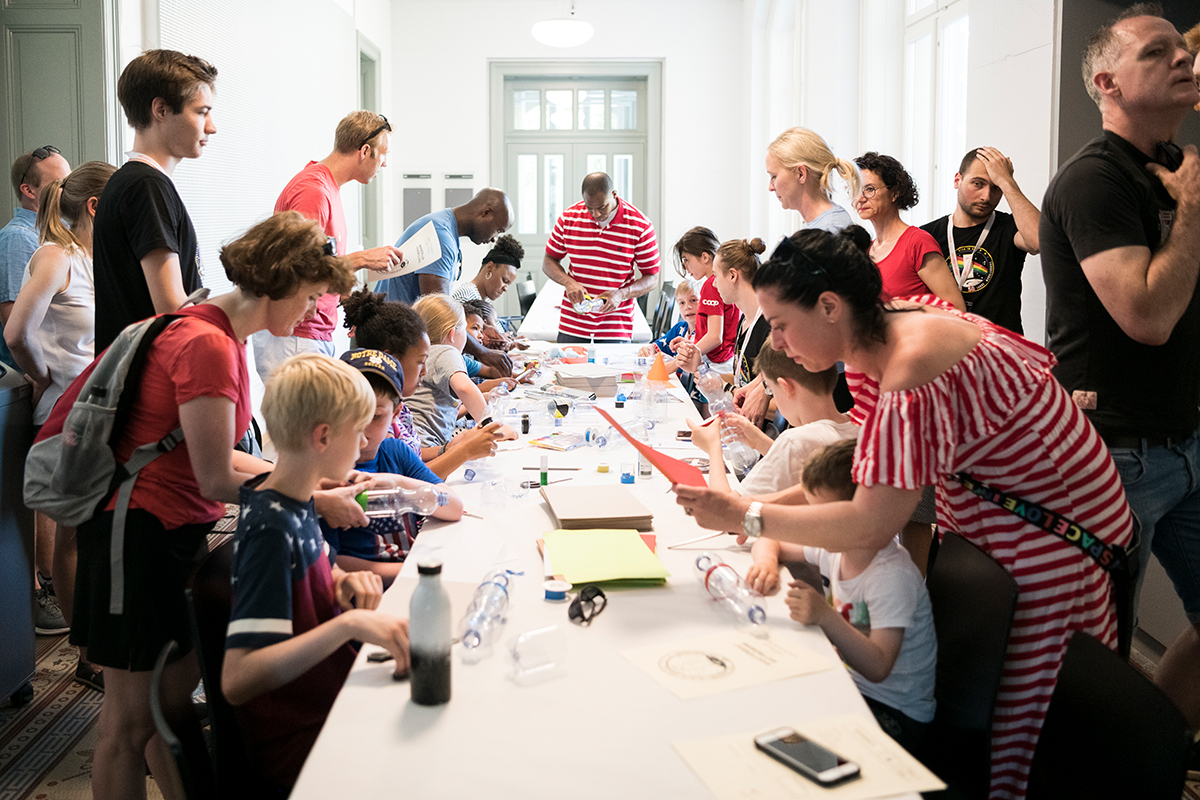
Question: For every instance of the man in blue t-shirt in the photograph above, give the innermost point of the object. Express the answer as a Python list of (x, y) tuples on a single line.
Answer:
[(382, 546), (481, 219)]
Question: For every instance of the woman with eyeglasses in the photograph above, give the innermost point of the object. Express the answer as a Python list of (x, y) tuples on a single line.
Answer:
[(195, 379), (948, 400), (908, 258)]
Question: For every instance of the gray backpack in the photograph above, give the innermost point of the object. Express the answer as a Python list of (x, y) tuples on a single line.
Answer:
[(70, 475)]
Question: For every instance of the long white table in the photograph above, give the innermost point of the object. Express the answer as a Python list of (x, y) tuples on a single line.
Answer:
[(542, 320), (604, 729)]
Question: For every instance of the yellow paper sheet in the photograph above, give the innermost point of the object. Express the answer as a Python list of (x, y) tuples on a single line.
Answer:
[(586, 556), (722, 661), (734, 769)]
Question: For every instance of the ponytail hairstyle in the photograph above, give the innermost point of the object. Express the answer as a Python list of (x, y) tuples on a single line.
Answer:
[(797, 146), (742, 255), (812, 261), (442, 314), (67, 199), (696, 242), (380, 325)]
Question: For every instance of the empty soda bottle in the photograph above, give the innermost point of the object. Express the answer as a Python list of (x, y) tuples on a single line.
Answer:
[(423, 500), (725, 585)]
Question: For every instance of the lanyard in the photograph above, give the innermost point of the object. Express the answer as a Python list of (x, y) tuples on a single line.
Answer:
[(742, 349), (961, 275), (133, 155)]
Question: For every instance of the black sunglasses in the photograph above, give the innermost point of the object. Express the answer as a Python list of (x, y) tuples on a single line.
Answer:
[(386, 126), (786, 251), (330, 247), (587, 605), (40, 154)]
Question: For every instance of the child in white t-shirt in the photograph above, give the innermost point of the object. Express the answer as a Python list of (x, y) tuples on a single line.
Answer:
[(875, 610)]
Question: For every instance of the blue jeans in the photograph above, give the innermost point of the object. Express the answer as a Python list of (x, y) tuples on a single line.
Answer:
[(1163, 488), (270, 351)]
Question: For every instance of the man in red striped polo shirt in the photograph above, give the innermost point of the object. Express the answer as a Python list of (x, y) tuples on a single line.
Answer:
[(613, 255)]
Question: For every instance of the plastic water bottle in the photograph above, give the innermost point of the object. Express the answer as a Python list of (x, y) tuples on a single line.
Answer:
[(725, 585), (610, 438), (737, 453), (589, 305), (423, 500), (498, 402), (429, 637), (482, 624)]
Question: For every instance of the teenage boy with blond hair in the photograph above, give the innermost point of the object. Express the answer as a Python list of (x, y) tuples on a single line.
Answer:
[(294, 613)]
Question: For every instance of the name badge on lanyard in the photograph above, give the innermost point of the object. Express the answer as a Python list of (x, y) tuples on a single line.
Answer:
[(961, 275)]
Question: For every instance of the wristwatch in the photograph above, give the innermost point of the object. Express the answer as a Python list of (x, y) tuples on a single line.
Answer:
[(752, 522)]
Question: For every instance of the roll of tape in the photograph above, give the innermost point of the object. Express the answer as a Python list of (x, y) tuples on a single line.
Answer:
[(556, 591), (602, 467)]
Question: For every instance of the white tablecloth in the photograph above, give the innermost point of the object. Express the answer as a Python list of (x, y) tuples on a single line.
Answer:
[(542, 320), (602, 731)]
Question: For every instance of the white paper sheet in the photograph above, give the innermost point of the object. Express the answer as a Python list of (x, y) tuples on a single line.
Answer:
[(723, 661), (734, 769), (420, 250)]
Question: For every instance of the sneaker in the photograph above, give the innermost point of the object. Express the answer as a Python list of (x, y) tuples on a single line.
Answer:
[(47, 583), (47, 616), (89, 676)]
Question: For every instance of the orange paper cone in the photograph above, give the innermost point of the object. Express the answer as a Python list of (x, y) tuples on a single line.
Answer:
[(658, 371)]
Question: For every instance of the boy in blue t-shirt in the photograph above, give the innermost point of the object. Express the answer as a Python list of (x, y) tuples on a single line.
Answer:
[(287, 648), (382, 546)]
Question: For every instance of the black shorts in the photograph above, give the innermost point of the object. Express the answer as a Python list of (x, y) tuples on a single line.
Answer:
[(158, 564)]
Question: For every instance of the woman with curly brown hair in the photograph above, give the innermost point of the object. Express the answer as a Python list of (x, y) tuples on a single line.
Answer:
[(908, 258), (129, 599)]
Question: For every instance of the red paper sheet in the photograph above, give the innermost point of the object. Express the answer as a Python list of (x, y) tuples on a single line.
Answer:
[(675, 470)]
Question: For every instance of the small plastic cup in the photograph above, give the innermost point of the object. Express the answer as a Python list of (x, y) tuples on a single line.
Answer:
[(515, 484), (628, 472), (538, 655), (493, 493)]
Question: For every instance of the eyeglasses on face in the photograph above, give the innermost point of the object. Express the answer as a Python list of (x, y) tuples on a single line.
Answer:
[(868, 191), (386, 126), (40, 154), (587, 605), (786, 251)]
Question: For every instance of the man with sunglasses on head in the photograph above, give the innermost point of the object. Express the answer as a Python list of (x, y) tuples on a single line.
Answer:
[(19, 238), (360, 149), (1120, 247)]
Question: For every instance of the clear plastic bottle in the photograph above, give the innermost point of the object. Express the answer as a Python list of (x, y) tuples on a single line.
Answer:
[(589, 305), (498, 403), (423, 500), (429, 637), (609, 438), (724, 584), (481, 626), (738, 455)]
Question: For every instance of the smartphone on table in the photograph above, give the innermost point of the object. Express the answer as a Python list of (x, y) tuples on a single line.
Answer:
[(805, 756)]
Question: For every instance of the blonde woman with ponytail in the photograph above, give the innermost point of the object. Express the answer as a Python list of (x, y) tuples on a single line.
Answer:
[(801, 166), (52, 328)]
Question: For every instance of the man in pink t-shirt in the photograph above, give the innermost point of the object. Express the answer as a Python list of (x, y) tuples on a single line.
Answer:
[(360, 149)]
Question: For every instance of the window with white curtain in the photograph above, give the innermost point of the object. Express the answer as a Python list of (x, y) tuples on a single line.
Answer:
[(936, 36)]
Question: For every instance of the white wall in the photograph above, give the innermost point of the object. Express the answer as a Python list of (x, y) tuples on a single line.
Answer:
[(1009, 106), (442, 99)]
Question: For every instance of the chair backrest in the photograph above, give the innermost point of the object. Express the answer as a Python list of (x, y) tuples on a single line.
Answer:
[(665, 314), (192, 773), (210, 601), (1109, 732), (973, 599), (526, 294)]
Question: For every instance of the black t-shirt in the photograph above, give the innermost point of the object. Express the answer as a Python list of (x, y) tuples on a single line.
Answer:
[(744, 370), (140, 211), (1104, 198), (993, 290)]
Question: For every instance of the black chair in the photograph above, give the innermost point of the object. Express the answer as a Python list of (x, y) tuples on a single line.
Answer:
[(664, 315), (526, 294), (973, 599), (210, 600), (1109, 732), (192, 775)]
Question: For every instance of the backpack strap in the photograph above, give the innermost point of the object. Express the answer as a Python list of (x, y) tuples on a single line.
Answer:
[(116, 555)]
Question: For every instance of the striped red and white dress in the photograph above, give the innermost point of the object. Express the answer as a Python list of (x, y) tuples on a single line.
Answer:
[(999, 415), (602, 259)]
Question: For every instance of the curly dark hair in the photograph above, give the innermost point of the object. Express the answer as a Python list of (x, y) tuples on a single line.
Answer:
[(812, 261), (380, 325), (894, 176), (283, 251), (506, 250), (480, 308)]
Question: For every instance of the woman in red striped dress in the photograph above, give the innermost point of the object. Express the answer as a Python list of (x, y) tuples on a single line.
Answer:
[(938, 393)]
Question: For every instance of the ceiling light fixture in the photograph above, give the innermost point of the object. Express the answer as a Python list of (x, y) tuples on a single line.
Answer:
[(563, 31)]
